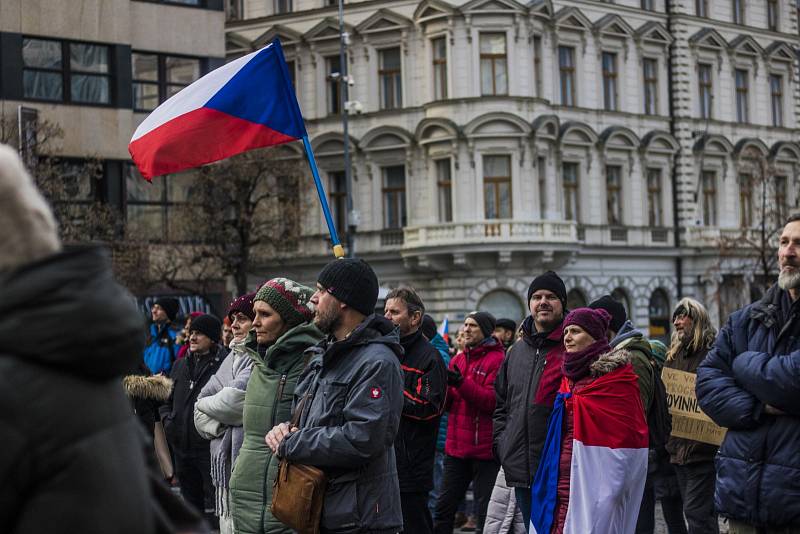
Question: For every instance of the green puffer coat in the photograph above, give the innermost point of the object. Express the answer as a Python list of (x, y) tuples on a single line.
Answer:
[(267, 402)]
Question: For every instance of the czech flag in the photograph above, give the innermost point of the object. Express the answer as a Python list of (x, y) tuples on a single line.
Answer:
[(445, 330), (609, 458), (248, 103)]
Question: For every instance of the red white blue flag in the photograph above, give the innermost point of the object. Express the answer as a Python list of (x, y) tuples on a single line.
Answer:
[(609, 458), (248, 103)]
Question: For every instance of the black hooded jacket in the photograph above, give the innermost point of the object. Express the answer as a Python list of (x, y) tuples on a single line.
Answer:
[(424, 389), (72, 451)]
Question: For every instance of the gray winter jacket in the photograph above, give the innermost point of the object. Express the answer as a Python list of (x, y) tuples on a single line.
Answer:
[(503, 515), (348, 426)]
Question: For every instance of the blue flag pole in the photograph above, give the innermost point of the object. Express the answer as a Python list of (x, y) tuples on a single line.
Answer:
[(338, 250)]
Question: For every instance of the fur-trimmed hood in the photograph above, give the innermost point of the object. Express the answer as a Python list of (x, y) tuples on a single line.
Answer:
[(609, 361), (156, 387)]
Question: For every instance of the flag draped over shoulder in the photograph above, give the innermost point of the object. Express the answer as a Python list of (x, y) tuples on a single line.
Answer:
[(609, 458), (248, 103)]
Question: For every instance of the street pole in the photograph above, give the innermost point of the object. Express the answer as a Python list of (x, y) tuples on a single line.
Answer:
[(344, 81)]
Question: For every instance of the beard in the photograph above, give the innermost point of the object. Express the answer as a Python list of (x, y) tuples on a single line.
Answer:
[(327, 321), (789, 279)]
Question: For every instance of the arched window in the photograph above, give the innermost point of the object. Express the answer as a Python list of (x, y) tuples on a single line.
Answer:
[(658, 312), (502, 304), (621, 296), (576, 299)]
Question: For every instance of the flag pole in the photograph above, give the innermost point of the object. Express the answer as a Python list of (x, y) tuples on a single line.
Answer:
[(338, 250)]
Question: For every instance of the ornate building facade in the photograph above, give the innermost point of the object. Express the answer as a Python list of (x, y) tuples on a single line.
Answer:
[(613, 142)]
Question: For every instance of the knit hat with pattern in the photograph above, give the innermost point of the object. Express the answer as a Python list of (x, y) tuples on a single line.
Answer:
[(243, 304), (291, 300), (353, 282)]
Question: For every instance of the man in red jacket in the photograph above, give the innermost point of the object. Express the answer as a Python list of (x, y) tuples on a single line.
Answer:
[(470, 401)]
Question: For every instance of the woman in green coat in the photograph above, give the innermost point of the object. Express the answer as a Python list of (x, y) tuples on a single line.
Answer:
[(283, 331)]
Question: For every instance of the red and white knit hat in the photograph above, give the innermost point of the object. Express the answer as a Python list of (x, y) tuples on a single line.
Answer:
[(291, 300)]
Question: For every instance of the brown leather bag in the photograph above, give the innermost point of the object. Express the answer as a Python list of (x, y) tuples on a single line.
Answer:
[(299, 491)]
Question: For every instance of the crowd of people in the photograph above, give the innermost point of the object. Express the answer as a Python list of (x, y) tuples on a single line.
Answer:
[(560, 424)]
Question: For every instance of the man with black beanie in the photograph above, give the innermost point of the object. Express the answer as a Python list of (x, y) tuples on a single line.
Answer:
[(159, 353), (505, 330), (526, 387), (352, 395), (189, 375), (471, 399)]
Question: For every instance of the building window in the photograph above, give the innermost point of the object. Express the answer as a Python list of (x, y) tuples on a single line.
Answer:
[(283, 6), (614, 194), (780, 199), (337, 192), (157, 77), (655, 213), (332, 67), (537, 64), (391, 79), (541, 168), (494, 70), (566, 68), (659, 316), (701, 8), (738, 11), (648, 5), (444, 189), (745, 200), (61, 71), (156, 211), (394, 197), (772, 15), (497, 187), (234, 10), (609, 81), (709, 179), (776, 98), (439, 46), (569, 177), (705, 89), (650, 71), (741, 78)]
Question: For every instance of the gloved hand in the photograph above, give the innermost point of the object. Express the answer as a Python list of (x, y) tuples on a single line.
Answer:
[(454, 377)]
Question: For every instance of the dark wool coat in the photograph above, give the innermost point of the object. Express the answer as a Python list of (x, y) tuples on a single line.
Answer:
[(73, 455), (470, 405), (754, 362)]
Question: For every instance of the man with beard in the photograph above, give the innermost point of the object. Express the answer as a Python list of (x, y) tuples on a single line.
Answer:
[(526, 388), (425, 385), (692, 461), (750, 384), (352, 396)]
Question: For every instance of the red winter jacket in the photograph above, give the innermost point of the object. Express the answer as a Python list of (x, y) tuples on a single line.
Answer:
[(469, 425)]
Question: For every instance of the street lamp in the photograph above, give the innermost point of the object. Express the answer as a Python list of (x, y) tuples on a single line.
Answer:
[(345, 106)]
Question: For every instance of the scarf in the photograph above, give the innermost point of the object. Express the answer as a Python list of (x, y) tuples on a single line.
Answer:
[(576, 364)]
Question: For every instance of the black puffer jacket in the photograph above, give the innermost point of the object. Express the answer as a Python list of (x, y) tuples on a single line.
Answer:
[(519, 422), (72, 451), (425, 386), (189, 375), (349, 425)]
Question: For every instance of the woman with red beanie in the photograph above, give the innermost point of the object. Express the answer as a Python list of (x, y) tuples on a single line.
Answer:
[(593, 469)]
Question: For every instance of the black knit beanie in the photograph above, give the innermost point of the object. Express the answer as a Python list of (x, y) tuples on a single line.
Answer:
[(508, 324), (207, 324), (353, 282), (485, 320), (428, 327), (170, 305), (614, 308), (552, 282)]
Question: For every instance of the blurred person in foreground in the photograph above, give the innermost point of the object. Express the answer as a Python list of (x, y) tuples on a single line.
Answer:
[(73, 455)]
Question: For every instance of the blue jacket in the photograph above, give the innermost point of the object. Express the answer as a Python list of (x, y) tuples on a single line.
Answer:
[(755, 361), (160, 351), (440, 344)]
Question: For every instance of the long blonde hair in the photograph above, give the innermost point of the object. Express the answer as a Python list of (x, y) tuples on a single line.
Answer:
[(703, 332)]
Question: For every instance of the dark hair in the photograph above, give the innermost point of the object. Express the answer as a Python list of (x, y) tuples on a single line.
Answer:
[(410, 297), (794, 217)]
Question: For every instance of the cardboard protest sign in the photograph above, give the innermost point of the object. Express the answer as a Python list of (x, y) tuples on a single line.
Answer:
[(688, 420)]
